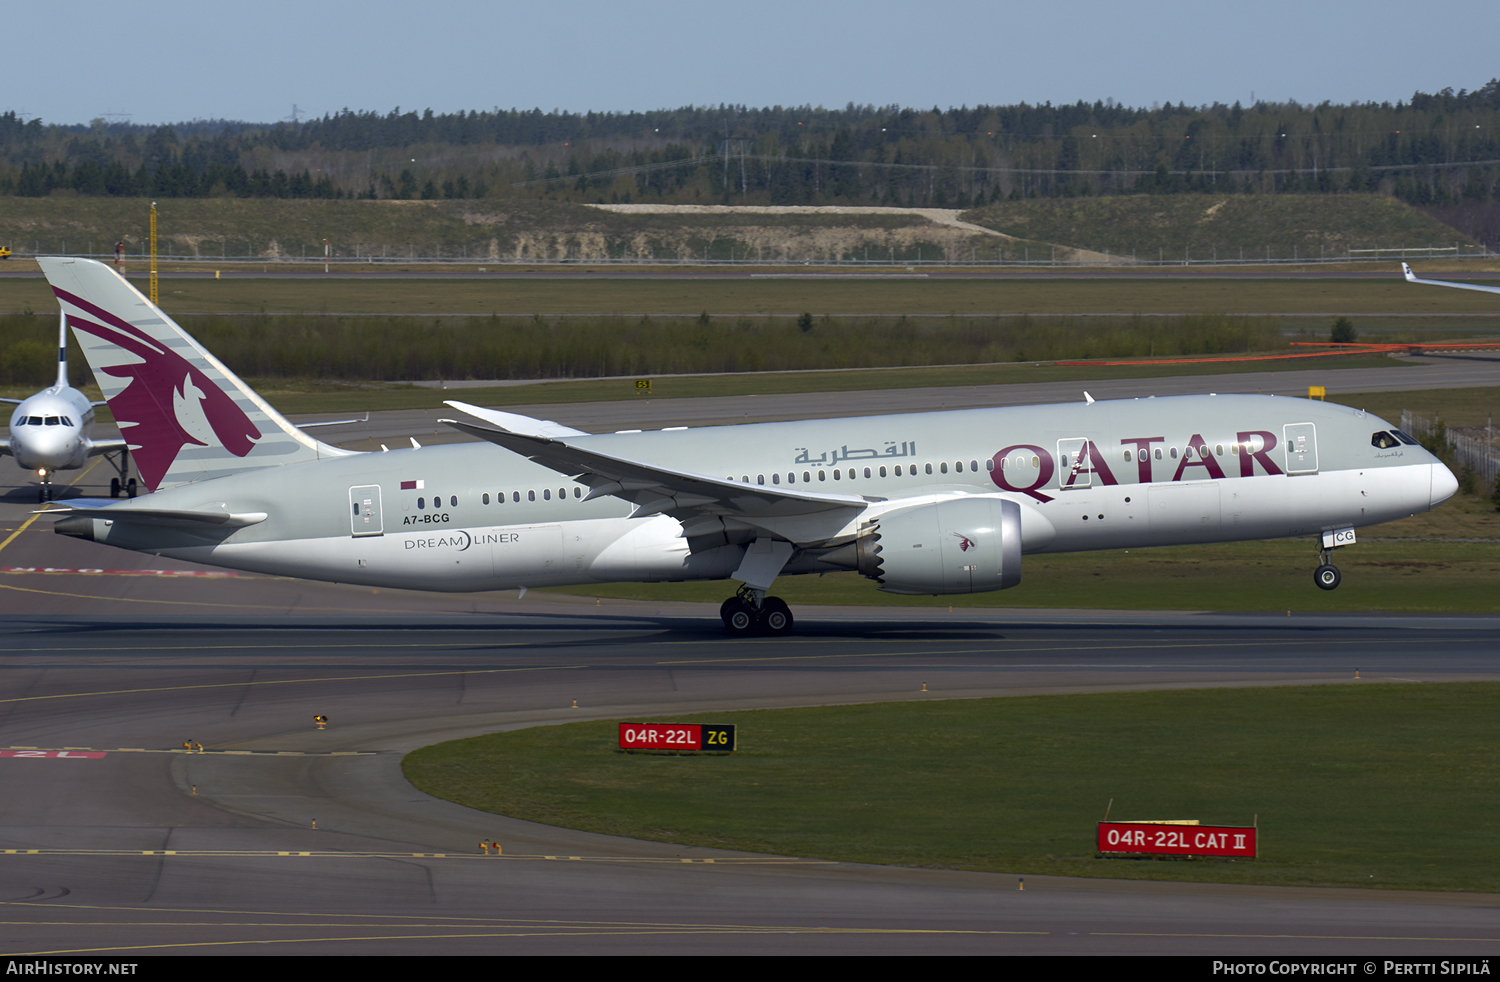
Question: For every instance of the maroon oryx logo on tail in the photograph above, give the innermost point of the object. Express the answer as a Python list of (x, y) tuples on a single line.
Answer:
[(147, 408)]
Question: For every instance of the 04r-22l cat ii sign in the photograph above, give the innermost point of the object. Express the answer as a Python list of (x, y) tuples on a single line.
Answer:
[(922, 503)]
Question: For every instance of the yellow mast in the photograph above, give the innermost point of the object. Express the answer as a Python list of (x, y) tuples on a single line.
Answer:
[(153, 253)]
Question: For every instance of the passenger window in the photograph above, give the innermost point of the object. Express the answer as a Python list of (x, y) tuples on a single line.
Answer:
[(943, 467), (486, 498), (421, 503), (530, 495), (515, 496), (882, 470), (867, 472), (546, 494), (929, 468)]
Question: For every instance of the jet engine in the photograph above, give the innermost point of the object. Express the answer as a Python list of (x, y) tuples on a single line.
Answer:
[(963, 545)]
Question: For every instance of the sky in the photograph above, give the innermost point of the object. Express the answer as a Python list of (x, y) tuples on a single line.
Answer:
[(172, 61)]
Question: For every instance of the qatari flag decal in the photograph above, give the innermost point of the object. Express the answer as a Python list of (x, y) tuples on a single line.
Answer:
[(411, 485)]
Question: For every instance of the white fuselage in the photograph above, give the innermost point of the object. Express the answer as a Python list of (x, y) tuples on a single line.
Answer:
[(469, 517), (52, 430)]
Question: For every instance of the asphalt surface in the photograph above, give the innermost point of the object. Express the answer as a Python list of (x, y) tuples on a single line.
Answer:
[(153, 849), (1429, 372)]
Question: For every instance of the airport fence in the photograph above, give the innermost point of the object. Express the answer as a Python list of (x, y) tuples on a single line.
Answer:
[(997, 257), (1473, 449)]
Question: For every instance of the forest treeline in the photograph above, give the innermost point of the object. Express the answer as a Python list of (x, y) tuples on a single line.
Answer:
[(1435, 149)]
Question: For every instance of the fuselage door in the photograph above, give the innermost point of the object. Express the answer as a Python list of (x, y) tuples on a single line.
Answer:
[(1301, 443), (364, 507), (1074, 469)]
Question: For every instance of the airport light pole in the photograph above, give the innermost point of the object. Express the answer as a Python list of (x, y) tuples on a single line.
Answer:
[(153, 253)]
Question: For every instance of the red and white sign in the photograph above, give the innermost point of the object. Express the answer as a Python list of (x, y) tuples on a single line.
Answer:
[(1151, 838), (70, 754), (661, 736)]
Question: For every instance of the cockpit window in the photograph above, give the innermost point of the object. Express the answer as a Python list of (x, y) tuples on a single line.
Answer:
[(1382, 440), (52, 421), (67, 421), (34, 420), (1404, 438)]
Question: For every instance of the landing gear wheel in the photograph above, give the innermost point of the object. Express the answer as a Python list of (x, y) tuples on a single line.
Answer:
[(130, 488), (114, 487), (739, 617), (43, 496), (775, 616), (1327, 576)]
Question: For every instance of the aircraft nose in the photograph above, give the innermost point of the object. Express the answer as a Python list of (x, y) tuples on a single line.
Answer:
[(1444, 484)]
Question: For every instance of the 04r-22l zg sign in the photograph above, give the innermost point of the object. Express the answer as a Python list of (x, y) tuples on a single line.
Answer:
[(713, 737)]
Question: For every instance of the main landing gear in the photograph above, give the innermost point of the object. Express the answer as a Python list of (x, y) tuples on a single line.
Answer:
[(752, 612), (121, 463)]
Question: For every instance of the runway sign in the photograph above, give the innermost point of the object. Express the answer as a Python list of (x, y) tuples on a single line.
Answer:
[(1158, 839), (676, 736)]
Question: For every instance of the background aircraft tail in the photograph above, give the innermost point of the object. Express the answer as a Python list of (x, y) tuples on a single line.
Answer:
[(185, 416)]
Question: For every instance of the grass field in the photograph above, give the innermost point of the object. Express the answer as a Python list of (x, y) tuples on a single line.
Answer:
[(1221, 226), (725, 297), (1366, 785)]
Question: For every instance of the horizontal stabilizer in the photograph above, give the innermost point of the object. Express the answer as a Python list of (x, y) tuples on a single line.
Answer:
[(161, 517)]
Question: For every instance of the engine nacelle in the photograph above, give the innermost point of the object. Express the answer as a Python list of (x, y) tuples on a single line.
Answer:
[(964, 545)]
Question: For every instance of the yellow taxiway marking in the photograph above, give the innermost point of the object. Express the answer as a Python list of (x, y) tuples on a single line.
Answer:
[(187, 603), (331, 678), (231, 753), (998, 650), (511, 857), (24, 526)]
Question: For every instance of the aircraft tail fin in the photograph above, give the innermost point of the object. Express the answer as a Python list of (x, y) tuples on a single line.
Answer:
[(185, 416)]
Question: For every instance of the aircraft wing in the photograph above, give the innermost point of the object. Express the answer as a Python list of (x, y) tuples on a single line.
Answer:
[(800, 516), (516, 423), (4, 448), (1412, 278)]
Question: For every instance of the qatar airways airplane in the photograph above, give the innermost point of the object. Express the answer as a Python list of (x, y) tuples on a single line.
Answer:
[(923, 503), (53, 431)]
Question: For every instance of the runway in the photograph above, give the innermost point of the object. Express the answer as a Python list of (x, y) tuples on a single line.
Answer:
[(115, 840)]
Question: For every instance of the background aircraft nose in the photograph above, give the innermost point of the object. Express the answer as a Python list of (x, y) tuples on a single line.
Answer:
[(1444, 484)]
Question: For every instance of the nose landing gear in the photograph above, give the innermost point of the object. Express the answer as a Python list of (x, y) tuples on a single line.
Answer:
[(1327, 575)]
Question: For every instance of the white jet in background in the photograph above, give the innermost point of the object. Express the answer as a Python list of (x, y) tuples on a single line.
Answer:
[(53, 431)]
